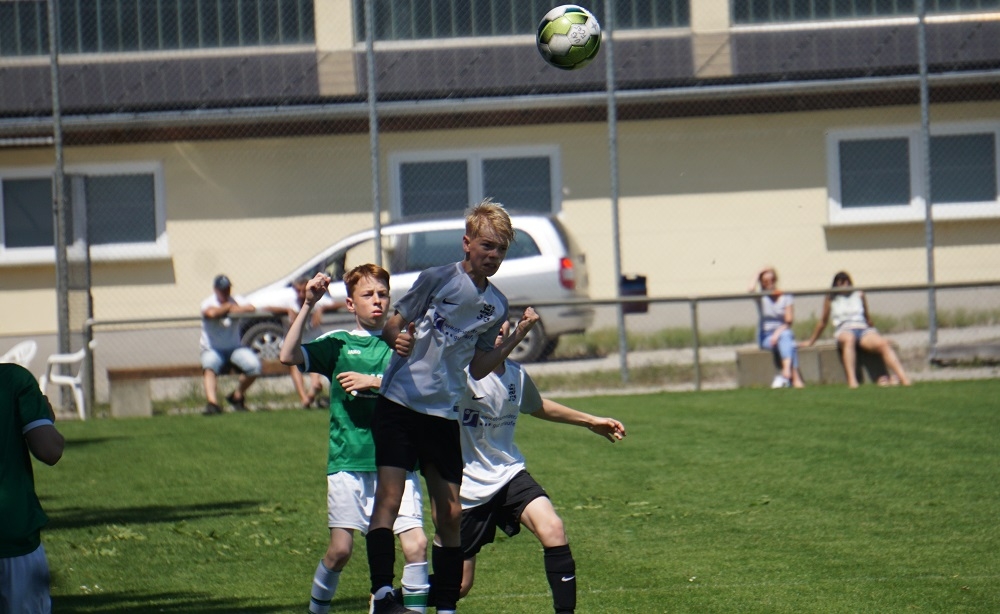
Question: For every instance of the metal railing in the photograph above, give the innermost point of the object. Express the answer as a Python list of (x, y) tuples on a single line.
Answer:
[(693, 303)]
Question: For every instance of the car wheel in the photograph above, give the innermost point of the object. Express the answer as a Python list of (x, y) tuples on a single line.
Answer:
[(550, 347), (533, 346), (265, 338)]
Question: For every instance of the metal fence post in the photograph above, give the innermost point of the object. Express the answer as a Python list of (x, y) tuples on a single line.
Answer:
[(609, 58), (925, 167), (373, 126), (695, 343)]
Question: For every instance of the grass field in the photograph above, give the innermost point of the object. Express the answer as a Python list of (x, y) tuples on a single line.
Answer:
[(816, 500)]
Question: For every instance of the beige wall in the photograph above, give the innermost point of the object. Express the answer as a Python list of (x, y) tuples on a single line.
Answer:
[(704, 203)]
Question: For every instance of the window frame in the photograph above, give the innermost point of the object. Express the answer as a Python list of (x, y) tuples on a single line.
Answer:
[(108, 252), (475, 181), (915, 209)]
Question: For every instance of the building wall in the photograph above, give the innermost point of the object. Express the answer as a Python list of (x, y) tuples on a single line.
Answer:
[(704, 203)]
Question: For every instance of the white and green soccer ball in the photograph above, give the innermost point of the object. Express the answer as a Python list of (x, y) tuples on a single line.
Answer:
[(569, 37)]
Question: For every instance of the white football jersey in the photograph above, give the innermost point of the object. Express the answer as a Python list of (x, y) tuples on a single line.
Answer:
[(453, 318), (488, 413)]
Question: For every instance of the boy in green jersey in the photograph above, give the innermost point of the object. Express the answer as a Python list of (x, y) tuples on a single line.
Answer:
[(26, 426), (354, 362)]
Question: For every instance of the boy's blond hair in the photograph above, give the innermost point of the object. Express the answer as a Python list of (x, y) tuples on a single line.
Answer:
[(489, 218), (355, 275)]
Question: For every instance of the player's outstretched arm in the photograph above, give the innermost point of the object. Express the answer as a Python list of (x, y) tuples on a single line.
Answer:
[(609, 428), (291, 347), (821, 324), (483, 363)]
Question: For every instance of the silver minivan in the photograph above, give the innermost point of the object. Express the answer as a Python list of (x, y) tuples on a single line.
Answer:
[(542, 264)]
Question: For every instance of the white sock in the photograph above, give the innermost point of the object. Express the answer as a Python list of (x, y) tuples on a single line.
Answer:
[(416, 586), (324, 586)]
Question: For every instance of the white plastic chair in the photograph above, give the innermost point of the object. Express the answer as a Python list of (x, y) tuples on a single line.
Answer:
[(22, 354), (53, 375)]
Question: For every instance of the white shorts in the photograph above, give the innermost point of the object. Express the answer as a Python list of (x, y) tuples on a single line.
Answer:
[(24, 584), (350, 499)]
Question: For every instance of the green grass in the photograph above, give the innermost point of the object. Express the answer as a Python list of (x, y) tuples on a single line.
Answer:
[(817, 500)]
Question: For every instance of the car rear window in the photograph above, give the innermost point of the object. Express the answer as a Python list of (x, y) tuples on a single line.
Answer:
[(438, 247)]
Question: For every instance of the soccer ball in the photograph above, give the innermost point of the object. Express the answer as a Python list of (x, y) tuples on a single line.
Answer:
[(569, 37)]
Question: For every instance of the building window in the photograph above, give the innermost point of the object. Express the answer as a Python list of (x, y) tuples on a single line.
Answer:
[(119, 209), (116, 26), (419, 19), (771, 11), (875, 175), (524, 180)]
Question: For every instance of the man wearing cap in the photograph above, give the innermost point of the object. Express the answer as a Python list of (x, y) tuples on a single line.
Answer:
[(220, 345)]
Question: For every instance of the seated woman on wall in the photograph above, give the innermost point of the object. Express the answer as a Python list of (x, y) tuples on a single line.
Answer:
[(775, 330), (853, 330)]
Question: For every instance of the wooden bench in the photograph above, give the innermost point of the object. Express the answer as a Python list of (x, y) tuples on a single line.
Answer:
[(129, 388), (819, 364)]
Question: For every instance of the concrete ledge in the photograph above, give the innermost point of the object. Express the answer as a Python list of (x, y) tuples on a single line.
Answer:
[(819, 364), (966, 354)]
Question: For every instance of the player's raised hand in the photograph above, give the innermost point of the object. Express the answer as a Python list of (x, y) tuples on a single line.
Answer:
[(528, 319), (404, 340), (609, 428), (317, 287)]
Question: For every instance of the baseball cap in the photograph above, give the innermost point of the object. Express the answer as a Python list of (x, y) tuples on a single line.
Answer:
[(222, 283)]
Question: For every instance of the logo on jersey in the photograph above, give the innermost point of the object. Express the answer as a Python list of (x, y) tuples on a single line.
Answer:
[(511, 393), (487, 312), (470, 417), (352, 352), (439, 322)]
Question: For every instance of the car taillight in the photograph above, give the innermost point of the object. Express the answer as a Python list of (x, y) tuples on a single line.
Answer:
[(567, 276)]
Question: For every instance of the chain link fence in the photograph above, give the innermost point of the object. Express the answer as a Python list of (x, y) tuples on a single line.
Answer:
[(198, 137)]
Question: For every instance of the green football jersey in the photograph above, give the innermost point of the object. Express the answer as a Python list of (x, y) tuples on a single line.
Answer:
[(351, 444), (21, 405)]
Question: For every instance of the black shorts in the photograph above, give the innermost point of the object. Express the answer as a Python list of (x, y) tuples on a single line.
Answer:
[(403, 437), (503, 511)]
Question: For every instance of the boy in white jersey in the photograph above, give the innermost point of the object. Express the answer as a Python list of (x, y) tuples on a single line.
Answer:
[(497, 490), (445, 324), (354, 362)]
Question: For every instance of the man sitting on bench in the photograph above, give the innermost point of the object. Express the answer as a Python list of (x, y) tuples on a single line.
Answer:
[(221, 347)]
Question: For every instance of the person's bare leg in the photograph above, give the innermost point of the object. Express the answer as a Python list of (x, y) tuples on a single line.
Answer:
[(245, 382), (849, 356), (211, 387), (877, 344), (304, 397), (797, 379)]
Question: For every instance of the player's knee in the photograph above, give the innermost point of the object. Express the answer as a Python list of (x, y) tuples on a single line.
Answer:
[(336, 557), (551, 532), (414, 548)]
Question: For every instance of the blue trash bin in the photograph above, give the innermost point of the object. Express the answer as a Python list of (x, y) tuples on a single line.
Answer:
[(633, 286)]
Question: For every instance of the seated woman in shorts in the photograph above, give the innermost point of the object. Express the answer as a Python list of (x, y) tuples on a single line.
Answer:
[(853, 330)]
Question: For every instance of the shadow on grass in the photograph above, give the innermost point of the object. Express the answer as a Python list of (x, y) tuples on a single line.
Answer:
[(77, 442), (187, 602), (77, 518)]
